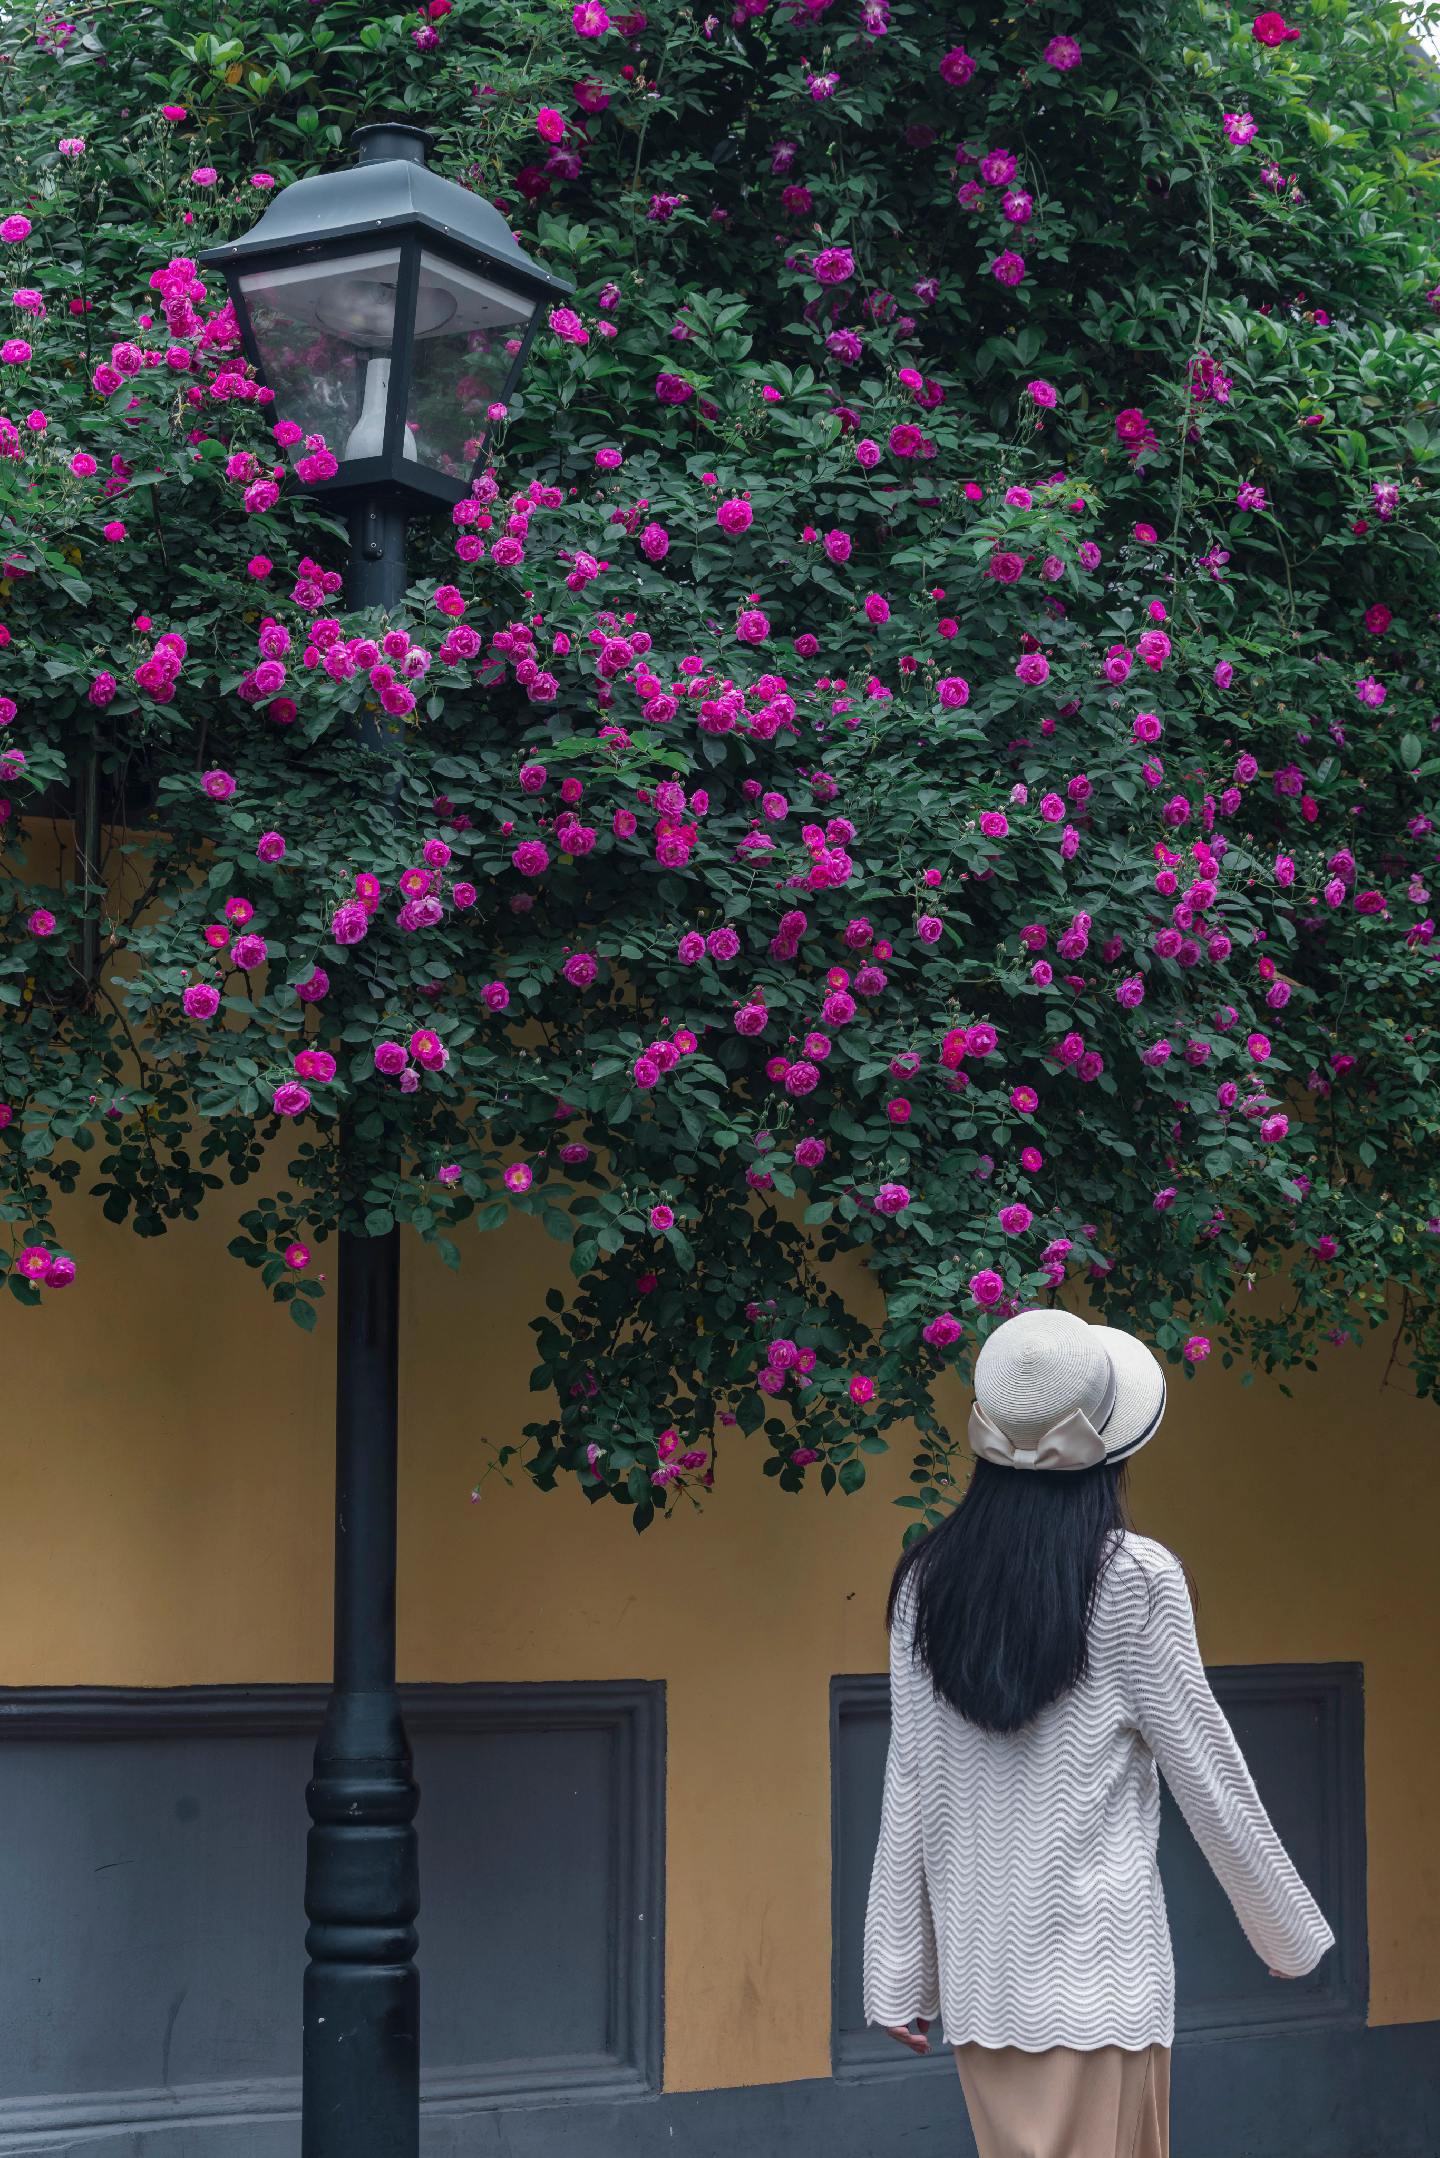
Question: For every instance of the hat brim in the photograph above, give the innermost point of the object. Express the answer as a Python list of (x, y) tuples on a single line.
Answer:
[(1139, 1393)]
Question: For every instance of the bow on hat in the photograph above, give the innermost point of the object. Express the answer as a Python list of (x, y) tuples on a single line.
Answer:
[(1074, 1442)]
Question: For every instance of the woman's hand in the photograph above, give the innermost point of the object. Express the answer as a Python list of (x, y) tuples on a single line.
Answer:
[(917, 2040)]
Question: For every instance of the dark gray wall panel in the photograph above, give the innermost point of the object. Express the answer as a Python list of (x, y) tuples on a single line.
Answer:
[(859, 1741), (151, 1916), (125, 1868), (1302, 1729)]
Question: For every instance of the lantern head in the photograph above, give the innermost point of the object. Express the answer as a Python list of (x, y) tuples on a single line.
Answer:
[(388, 309)]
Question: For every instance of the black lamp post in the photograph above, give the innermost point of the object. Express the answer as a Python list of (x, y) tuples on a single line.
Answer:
[(387, 309)]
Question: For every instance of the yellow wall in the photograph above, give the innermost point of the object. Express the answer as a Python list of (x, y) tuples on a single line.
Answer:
[(166, 1521)]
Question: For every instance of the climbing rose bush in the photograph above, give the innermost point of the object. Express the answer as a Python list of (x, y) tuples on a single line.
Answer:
[(917, 746)]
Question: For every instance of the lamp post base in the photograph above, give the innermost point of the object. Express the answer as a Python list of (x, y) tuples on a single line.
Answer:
[(362, 1991)]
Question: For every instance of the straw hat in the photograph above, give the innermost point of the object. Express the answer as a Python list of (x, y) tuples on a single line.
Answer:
[(1052, 1392)]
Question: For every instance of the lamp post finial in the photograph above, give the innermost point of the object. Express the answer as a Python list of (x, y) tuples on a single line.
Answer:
[(380, 141)]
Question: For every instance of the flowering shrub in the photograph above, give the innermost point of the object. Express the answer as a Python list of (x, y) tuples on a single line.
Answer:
[(918, 745)]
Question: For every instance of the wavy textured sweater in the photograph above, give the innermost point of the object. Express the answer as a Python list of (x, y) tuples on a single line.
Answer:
[(1015, 1892)]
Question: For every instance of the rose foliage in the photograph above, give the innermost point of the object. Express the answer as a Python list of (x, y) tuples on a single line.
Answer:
[(918, 746)]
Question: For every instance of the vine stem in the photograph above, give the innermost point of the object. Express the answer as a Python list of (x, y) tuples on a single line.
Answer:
[(640, 150), (143, 1112), (1403, 1322), (1195, 354)]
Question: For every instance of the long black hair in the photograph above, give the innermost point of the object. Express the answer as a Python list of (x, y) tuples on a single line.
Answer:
[(1004, 1588)]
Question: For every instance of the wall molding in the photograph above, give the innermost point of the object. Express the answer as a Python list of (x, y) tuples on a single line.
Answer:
[(632, 1712), (1339, 1999), (28, 2123)]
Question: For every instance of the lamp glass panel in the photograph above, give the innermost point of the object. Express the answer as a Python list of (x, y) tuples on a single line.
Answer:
[(324, 332), (468, 333)]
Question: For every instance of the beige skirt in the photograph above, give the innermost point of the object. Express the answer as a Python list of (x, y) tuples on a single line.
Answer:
[(1066, 2104)]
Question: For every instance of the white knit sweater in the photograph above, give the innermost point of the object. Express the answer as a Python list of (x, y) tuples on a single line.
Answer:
[(1015, 1891)]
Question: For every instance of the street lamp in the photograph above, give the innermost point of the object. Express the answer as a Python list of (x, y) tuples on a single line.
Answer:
[(388, 309)]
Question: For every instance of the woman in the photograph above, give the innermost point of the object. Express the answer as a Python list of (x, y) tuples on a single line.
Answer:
[(1043, 1661)]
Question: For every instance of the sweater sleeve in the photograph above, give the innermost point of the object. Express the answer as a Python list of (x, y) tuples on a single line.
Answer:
[(901, 1975), (1192, 1742)]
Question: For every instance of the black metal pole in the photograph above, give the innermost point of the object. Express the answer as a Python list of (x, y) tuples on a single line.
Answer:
[(361, 2066)]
